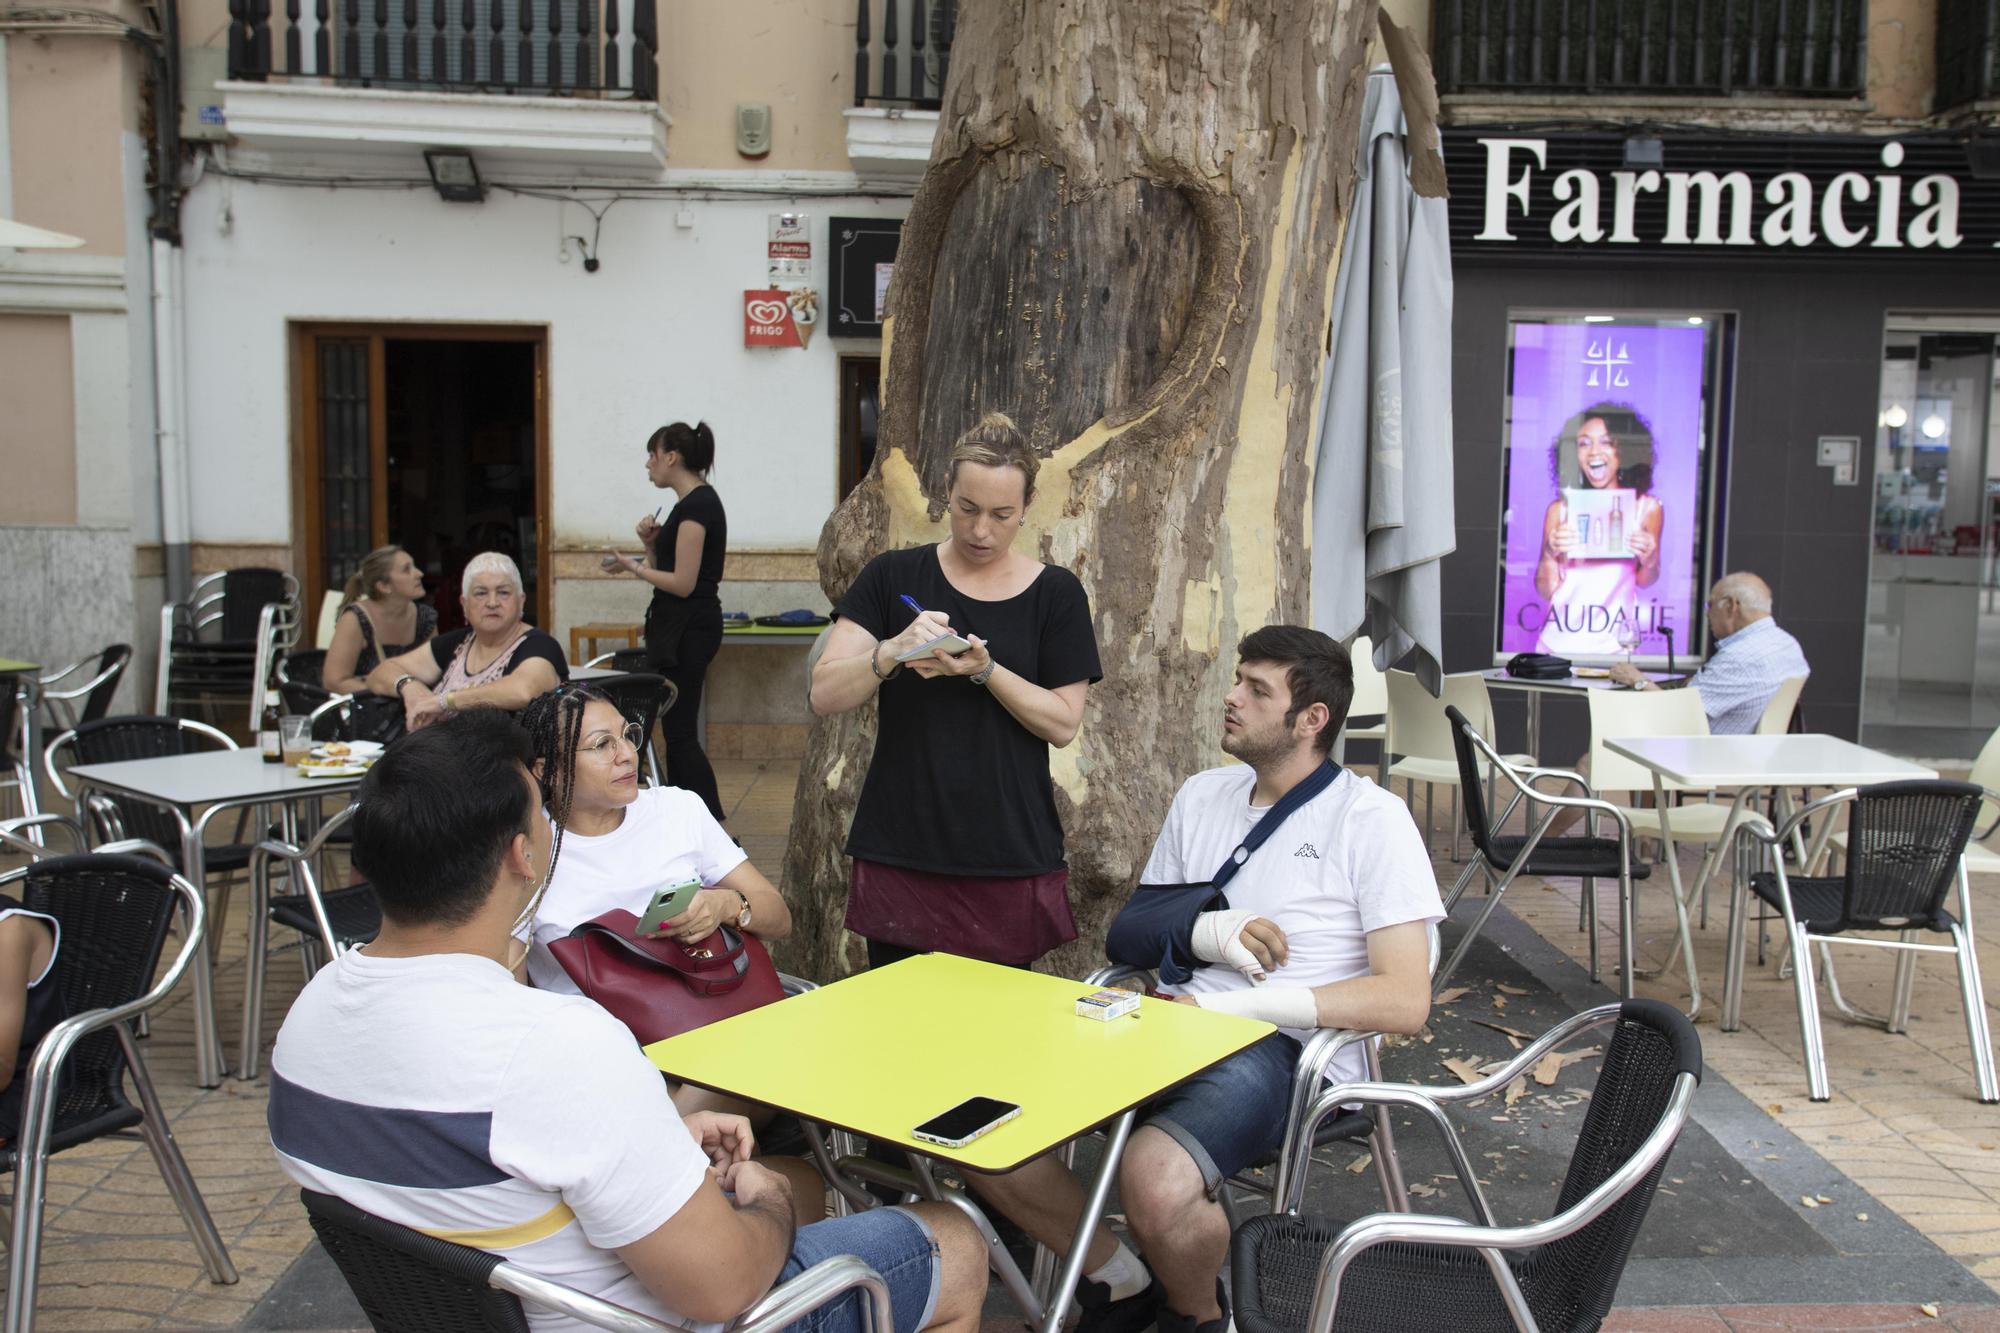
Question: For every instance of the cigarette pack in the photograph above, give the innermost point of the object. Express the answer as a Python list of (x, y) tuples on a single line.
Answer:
[(1105, 1005)]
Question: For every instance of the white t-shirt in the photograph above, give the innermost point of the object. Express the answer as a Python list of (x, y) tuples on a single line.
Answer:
[(440, 1093), (1348, 862), (668, 837)]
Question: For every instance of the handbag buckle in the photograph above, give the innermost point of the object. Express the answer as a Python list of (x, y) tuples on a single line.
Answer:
[(701, 953)]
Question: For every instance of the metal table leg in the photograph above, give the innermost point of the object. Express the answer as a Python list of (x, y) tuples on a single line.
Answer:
[(1071, 1271), (1686, 945)]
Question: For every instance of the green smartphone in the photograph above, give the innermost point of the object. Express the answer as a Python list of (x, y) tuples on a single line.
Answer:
[(669, 901)]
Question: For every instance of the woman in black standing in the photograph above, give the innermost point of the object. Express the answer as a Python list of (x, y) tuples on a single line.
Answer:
[(684, 622)]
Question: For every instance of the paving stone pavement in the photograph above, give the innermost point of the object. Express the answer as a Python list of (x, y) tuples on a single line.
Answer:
[(1903, 1131)]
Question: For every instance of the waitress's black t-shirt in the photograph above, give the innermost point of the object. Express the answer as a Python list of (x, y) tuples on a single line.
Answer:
[(956, 785), (700, 505)]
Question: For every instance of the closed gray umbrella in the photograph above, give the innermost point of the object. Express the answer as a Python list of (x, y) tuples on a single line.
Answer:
[(1382, 487)]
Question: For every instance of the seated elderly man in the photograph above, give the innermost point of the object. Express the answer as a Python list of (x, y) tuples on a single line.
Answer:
[(417, 1079), (1752, 657), (1329, 926)]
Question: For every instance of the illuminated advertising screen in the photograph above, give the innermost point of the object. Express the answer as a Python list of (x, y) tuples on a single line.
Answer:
[(1611, 443)]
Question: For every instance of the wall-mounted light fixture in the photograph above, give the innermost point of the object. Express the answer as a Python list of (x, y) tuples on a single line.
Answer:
[(1896, 417), (1934, 427), (454, 175)]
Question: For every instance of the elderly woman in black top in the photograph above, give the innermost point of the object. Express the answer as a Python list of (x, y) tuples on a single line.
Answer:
[(684, 621), (956, 841), (497, 661)]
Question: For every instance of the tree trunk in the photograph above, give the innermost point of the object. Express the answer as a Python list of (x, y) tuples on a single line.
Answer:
[(1126, 241)]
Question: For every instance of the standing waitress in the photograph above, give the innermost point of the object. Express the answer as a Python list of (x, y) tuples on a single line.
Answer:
[(956, 841), (684, 621)]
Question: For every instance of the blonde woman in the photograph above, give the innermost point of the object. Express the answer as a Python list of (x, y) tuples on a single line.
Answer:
[(956, 841), (381, 616)]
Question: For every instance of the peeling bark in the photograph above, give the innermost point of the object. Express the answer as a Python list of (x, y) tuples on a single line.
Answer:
[(1125, 240)]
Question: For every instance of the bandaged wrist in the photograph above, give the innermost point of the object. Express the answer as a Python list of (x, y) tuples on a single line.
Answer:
[(1287, 1006), (1217, 937)]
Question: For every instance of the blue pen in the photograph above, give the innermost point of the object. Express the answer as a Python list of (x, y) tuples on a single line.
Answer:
[(911, 602)]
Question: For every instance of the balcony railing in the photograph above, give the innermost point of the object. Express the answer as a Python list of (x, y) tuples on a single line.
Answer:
[(1654, 48), (1968, 50), (902, 49), (592, 48)]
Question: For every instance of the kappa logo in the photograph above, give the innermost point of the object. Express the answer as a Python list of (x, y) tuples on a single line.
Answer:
[(1306, 849)]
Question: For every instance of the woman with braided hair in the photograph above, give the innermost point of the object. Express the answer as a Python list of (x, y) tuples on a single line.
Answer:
[(616, 844)]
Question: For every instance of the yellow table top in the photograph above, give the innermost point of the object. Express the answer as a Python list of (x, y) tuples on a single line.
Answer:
[(881, 1052)]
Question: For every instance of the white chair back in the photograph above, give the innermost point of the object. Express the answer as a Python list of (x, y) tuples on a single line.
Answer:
[(1418, 728), (1778, 713), (329, 616), (1371, 687), (1621, 713)]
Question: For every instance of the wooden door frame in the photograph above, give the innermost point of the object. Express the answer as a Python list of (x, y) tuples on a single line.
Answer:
[(307, 538)]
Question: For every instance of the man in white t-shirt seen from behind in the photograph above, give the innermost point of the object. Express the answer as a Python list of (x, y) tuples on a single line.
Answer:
[(1329, 926), (417, 1079)]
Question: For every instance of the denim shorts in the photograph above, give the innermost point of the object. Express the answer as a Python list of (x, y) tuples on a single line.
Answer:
[(895, 1243), (1231, 1115)]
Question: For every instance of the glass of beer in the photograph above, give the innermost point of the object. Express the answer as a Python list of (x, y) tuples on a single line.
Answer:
[(295, 737)]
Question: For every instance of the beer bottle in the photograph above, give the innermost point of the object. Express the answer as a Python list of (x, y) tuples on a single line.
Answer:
[(268, 739)]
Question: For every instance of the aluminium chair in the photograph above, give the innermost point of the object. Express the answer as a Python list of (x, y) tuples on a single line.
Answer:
[(1905, 852), (94, 692), (326, 921), (1980, 859), (115, 816), (21, 835), (113, 911), (220, 644), (644, 698), (1419, 747), (1438, 1274), (16, 764), (407, 1282), (1502, 857), (1308, 1077)]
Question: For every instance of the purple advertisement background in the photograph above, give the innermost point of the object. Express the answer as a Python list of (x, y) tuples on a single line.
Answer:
[(1661, 372)]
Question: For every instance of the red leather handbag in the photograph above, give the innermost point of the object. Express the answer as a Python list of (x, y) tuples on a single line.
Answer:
[(660, 987)]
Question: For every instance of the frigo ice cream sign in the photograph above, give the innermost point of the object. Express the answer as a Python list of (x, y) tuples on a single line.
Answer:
[(1722, 196)]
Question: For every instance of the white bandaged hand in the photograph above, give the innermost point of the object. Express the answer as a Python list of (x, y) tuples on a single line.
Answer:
[(1217, 937), (1286, 1006)]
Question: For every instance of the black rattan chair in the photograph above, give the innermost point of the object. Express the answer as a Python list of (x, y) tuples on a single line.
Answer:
[(1502, 857), (112, 740), (407, 1282), (323, 919), (1905, 850), (113, 912), (96, 689), (219, 644), (643, 698), (1437, 1274)]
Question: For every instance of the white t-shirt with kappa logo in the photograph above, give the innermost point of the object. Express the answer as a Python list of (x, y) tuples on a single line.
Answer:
[(1348, 862)]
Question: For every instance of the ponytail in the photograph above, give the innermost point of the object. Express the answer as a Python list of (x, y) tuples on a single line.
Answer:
[(695, 444), (374, 569)]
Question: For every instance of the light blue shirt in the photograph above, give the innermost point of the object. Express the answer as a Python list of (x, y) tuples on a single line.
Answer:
[(1743, 673)]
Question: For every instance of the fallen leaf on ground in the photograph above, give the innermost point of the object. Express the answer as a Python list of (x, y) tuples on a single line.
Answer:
[(1861, 1217), (1511, 990), (1516, 1088), (1548, 1068), (1360, 1164), (1809, 1201), (1823, 1199), (1447, 996), (1499, 1002), (1929, 1309), (1422, 1191), (1776, 1108), (1467, 1071), (1504, 1030)]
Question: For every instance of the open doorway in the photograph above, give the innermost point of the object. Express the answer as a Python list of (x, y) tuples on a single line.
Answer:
[(431, 437)]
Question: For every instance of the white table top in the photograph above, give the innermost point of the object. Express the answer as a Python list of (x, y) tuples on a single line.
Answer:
[(1498, 678), (213, 775), (594, 673), (1765, 761)]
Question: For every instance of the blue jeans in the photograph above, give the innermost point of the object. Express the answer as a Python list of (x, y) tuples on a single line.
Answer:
[(895, 1243), (1231, 1115)]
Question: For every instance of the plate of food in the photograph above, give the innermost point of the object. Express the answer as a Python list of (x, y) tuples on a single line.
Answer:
[(347, 752), (1591, 673), (328, 769)]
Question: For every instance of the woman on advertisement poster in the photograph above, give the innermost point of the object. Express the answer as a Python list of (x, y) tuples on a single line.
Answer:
[(1600, 533)]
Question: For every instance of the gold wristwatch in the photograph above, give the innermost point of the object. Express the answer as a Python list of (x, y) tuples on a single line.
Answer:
[(743, 916)]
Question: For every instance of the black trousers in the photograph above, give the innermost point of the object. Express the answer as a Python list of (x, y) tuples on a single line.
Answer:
[(687, 763)]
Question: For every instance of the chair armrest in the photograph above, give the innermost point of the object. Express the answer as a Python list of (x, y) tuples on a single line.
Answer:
[(792, 985), (1113, 973), (286, 851), (601, 659), (782, 1305), (1394, 1228), (13, 833), (138, 847)]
